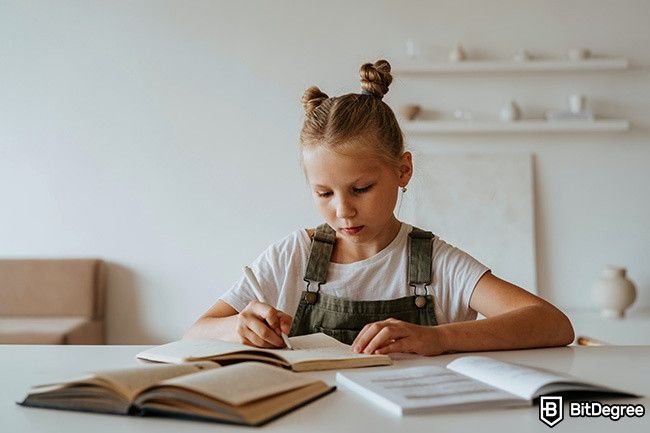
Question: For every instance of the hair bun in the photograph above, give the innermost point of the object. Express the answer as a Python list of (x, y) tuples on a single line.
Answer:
[(376, 77), (312, 98)]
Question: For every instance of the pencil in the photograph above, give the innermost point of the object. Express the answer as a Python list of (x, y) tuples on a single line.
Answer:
[(252, 279)]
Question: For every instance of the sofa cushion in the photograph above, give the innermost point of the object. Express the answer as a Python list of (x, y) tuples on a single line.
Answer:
[(39, 330), (52, 287)]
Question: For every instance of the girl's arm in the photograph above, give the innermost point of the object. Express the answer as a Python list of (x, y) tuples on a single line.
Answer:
[(515, 319), (258, 325)]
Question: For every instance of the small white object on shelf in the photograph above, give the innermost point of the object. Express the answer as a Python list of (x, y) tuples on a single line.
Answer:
[(613, 292), (457, 54), (560, 65), (510, 112), (521, 56), (577, 54), (577, 103), (471, 127), (412, 49)]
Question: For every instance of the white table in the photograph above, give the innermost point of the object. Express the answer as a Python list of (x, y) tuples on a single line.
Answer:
[(623, 367)]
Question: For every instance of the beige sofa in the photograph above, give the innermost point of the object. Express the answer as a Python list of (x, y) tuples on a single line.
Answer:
[(52, 301)]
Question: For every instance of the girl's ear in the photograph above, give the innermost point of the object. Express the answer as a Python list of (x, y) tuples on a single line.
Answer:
[(405, 169)]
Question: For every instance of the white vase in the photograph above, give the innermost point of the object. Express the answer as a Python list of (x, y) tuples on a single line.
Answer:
[(457, 54), (510, 112), (577, 103), (577, 54), (613, 292)]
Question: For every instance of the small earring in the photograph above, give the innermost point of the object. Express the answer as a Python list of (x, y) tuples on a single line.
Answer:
[(403, 189)]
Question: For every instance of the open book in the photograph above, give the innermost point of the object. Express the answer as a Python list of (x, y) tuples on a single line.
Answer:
[(469, 382), (310, 352), (245, 393)]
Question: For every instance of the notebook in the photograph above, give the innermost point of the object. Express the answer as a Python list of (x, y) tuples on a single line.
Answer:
[(468, 382), (250, 393), (311, 352)]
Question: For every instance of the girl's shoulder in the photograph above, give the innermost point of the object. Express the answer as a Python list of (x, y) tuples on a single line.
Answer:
[(286, 250), (296, 238)]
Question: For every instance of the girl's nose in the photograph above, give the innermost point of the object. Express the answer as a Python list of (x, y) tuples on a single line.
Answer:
[(344, 209)]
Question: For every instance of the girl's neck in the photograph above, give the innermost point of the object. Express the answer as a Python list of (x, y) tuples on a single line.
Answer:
[(350, 252)]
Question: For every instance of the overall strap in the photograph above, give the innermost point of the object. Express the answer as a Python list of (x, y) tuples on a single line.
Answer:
[(322, 245), (420, 257)]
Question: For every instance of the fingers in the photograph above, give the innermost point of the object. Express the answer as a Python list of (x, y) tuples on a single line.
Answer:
[(248, 336), (267, 313), (384, 337), (269, 337), (278, 320), (379, 334), (246, 341), (262, 325), (367, 333), (285, 322), (396, 336), (400, 346)]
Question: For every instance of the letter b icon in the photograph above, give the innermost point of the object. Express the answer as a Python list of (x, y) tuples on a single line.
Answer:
[(551, 410)]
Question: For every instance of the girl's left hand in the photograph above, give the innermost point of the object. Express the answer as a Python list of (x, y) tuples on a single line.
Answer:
[(392, 335)]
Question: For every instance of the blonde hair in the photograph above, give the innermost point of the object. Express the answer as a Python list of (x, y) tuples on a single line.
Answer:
[(334, 122)]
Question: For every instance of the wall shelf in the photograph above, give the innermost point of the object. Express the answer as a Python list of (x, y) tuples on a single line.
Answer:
[(595, 64), (472, 127)]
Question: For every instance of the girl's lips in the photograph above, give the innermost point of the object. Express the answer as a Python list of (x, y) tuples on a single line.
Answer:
[(352, 230)]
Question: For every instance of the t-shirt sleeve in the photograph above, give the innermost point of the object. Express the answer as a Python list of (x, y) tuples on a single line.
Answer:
[(269, 269), (458, 274)]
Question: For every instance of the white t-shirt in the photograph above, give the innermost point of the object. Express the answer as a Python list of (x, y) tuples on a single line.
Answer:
[(281, 267)]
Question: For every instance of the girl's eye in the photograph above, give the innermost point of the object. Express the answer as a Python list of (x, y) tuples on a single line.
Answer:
[(362, 190), (323, 194)]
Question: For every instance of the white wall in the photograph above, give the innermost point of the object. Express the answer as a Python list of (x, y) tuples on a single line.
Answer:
[(162, 136)]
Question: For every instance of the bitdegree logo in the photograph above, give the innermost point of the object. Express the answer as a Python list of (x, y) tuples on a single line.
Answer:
[(551, 410), (594, 409)]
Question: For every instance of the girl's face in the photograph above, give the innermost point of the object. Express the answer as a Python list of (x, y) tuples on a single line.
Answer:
[(356, 193)]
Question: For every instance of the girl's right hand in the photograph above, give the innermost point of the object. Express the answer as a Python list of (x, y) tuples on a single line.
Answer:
[(261, 325)]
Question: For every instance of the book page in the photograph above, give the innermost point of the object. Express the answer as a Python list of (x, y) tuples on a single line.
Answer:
[(516, 379), (421, 389), (318, 347), (316, 341), (241, 383), (192, 350), (128, 382)]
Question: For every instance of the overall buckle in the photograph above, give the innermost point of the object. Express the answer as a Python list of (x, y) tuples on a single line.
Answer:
[(420, 298), (311, 297)]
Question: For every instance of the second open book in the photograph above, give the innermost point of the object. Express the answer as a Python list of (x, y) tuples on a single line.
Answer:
[(468, 382), (311, 352)]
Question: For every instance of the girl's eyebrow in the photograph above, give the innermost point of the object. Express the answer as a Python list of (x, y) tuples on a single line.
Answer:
[(351, 183)]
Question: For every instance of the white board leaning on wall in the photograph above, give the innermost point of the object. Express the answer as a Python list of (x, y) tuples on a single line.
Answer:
[(480, 203)]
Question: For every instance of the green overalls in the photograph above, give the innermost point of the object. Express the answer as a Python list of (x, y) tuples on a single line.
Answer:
[(343, 318)]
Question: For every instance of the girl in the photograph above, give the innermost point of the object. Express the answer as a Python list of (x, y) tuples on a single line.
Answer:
[(364, 277)]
